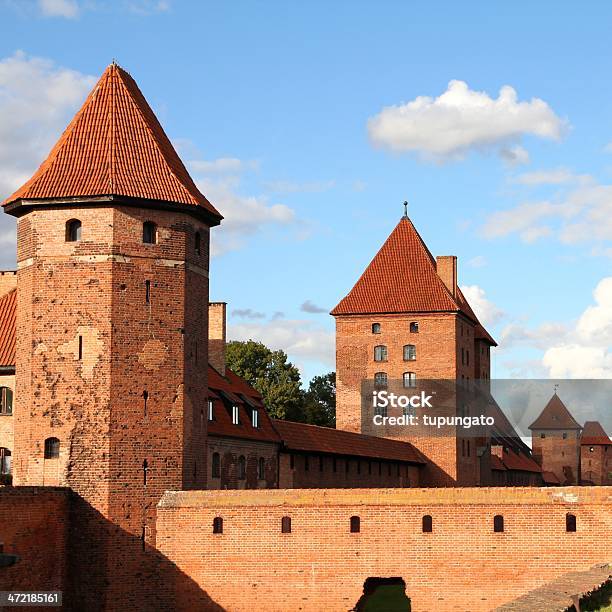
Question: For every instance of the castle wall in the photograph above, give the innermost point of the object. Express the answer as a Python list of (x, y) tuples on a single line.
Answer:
[(596, 463), (321, 565), (35, 528), (558, 454)]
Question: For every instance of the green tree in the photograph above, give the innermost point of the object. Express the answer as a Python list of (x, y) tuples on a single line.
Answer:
[(320, 401), (270, 372)]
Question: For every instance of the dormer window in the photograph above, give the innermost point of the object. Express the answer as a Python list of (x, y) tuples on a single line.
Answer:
[(73, 230), (211, 410), (414, 327), (149, 232), (235, 415), (255, 417), (376, 328)]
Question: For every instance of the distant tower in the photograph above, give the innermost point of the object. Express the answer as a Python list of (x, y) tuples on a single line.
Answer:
[(113, 254), (406, 319), (555, 441)]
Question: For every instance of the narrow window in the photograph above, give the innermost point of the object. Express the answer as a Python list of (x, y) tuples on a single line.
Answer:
[(241, 467), (217, 525), (565, 435), (409, 352), (376, 328), (5, 461), (570, 522), (235, 415), (462, 356), (427, 524), (380, 379), (198, 244), (347, 466), (409, 379), (380, 353), (149, 232), (358, 466), (73, 230), (414, 327), (397, 469), (6, 400), (201, 419), (216, 465), (388, 469), (80, 348), (145, 470), (370, 468), (52, 448), (148, 291), (261, 468), (467, 357), (355, 524), (286, 524), (211, 410), (498, 523), (145, 398), (255, 417), (542, 435), (468, 448)]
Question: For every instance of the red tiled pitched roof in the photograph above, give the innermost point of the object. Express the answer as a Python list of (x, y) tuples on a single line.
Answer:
[(8, 305), (519, 462), (313, 438), (555, 416), (235, 387), (115, 146), (550, 478), (402, 277), (497, 464), (594, 433)]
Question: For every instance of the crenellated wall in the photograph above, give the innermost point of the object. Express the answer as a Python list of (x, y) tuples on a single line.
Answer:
[(461, 565)]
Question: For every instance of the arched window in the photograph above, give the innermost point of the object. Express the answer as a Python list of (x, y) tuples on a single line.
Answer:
[(217, 525), (149, 232), (286, 524), (380, 353), (570, 522), (409, 352), (427, 524), (355, 524), (216, 465), (6, 400), (376, 328), (409, 379), (261, 468), (5, 461), (73, 230), (380, 379), (241, 467), (498, 523), (52, 448), (197, 244)]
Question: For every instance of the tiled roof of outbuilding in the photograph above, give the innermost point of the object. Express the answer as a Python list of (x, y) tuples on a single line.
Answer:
[(8, 305), (325, 440), (115, 146)]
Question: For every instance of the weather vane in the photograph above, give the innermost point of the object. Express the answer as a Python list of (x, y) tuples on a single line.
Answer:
[(405, 208), (556, 386)]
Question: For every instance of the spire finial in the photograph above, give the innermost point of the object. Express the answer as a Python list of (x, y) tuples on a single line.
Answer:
[(405, 209), (556, 386)]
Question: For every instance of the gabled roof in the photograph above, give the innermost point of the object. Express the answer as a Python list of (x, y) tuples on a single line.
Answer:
[(519, 461), (8, 305), (555, 416), (594, 433), (114, 146), (403, 277), (316, 439), (231, 389)]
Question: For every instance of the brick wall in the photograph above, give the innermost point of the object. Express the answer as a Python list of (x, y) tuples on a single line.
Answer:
[(6, 420), (230, 450), (317, 471), (34, 527), (596, 463), (217, 335), (8, 281), (558, 454), (320, 565)]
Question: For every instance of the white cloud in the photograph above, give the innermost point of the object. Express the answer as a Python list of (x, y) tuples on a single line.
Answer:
[(556, 176), (300, 339), (59, 8), (575, 361), (247, 313), (222, 165), (515, 156), (295, 187), (148, 7), (486, 311), (461, 119), (477, 262)]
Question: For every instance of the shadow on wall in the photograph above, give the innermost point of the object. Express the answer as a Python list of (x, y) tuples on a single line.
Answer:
[(383, 594)]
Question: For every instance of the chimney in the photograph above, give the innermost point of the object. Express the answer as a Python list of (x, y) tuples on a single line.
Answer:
[(216, 336), (8, 281), (446, 265)]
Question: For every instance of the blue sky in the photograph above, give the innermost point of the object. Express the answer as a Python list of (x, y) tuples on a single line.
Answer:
[(308, 124)]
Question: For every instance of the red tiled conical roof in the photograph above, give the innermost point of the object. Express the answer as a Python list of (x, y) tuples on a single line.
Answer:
[(555, 416), (594, 433), (114, 146), (8, 305)]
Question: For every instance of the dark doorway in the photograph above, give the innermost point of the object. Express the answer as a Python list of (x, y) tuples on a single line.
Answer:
[(383, 595)]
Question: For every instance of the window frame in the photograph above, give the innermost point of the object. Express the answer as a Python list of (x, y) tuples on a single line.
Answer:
[(149, 226), (409, 352), (412, 380), (6, 401), (414, 327), (74, 230), (242, 467), (381, 353), (52, 448), (381, 380), (376, 328)]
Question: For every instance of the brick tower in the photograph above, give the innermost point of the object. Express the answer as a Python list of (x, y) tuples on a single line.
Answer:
[(555, 440), (113, 253), (407, 320)]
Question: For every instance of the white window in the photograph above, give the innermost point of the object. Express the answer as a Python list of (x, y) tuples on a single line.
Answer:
[(211, 410), (380, 379), (409, 352), (255, 417), (380, 353), (235, 415), (409, 379)]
